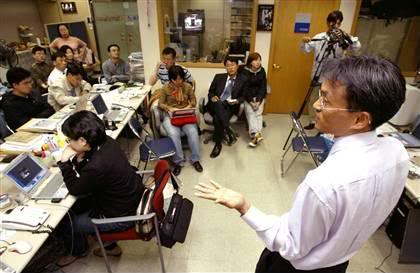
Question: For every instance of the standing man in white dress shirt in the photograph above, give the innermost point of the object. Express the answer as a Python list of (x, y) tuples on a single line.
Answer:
[(337, 42), (340, 204)]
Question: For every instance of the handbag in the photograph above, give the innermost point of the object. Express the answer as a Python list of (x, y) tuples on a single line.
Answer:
[(183, 120), (176, 222)]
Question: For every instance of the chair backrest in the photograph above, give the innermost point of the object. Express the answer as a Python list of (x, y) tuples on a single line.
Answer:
[(161, 175), (4, 129), (298, 125), (135, 127)]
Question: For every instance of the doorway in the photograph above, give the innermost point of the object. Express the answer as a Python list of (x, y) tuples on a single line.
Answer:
[(290, 69), (116, 22)]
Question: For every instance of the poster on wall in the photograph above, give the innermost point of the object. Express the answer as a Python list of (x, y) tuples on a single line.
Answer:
[(265, 17), (302, 22), (68, 7)]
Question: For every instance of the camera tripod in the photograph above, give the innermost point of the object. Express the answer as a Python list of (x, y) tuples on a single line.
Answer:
[(314, 82)]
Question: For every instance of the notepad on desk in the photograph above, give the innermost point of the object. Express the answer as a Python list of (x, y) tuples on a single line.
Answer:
[(23, 138), (39, 125)]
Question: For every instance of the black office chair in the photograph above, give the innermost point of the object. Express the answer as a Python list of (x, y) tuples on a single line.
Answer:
[(316, 146), (208, 119)]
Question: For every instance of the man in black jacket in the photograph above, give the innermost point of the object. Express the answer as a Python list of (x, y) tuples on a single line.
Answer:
[(225, 96), (94, 165), (20, 105)]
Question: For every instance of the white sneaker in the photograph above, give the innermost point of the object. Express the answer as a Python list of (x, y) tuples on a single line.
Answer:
[(259, 137), (253, 143)]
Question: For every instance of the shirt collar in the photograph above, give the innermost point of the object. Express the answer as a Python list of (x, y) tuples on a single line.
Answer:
[(352, 141)]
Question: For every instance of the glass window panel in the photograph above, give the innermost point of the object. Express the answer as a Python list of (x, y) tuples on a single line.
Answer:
[(207, 30)]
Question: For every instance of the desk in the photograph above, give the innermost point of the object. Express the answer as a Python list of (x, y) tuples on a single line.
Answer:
[(58, 211)]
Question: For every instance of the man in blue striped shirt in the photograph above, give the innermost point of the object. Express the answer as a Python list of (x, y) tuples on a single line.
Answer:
[(161, 71)]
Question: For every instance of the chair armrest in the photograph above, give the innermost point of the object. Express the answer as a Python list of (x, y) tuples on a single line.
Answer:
[(145, 172), (98, 221), (201, 105)]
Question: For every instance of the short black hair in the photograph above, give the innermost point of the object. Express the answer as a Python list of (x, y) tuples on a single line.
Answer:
[(334, 16), (58, 29), (87, 125), (64, 49), (57, 55), (38, 48), (111, 45), (230, 59), (373, 84), (73, 69), (16, 75), (169, 50), (175, 71)]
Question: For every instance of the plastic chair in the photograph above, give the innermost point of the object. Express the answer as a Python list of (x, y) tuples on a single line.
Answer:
[(153, 149), (162, 172), (208, 119), (314, 145)]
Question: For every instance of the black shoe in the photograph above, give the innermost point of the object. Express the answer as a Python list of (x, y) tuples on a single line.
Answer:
[(310, 126), (177, 170), (197, 166), (216, 150), (231, 137)]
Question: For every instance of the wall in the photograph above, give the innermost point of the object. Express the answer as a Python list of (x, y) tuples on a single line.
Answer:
[(204, 76), (15, 13), (50, 12)]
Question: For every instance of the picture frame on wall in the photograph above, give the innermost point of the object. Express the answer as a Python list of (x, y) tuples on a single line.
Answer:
[(265, 17), (68, 7)]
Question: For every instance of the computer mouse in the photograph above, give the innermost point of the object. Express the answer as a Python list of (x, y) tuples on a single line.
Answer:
[(380, 135), (20, 247), (114, 87)]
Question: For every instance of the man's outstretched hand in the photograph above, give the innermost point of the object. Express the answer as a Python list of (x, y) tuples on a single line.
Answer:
[(223, 196)]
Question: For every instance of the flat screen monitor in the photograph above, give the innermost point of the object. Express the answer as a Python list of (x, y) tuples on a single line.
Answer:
[(192, 21)]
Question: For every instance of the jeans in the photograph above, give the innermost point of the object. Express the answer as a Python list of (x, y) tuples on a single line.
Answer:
[(74, 232), (254, 118), (174, 132)]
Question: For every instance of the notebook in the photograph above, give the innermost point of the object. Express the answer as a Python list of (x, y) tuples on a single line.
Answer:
[(101, 108), (29, 175), (183, 112)]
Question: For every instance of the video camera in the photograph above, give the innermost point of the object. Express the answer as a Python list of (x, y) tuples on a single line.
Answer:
[(336, 35)]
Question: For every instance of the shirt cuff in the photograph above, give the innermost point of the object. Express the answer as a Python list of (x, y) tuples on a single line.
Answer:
[(254, 217)]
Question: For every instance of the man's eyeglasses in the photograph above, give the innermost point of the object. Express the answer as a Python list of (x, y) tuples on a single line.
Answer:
[(323, 105)]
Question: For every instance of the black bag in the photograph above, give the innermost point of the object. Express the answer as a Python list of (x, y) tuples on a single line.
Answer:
[(176, 222)]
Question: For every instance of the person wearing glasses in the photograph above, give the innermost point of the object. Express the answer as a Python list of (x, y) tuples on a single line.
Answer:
[(94, 166), (20, 105), (341, 203)]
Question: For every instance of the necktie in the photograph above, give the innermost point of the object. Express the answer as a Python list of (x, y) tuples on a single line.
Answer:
[(227, 93)]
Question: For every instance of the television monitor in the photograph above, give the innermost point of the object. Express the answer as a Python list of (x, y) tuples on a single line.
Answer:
[(192, 21)]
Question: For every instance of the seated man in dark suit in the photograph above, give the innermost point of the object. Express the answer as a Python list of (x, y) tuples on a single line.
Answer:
[(225, 96), (20, 105)]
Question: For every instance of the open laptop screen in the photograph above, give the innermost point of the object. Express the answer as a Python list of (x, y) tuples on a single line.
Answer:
[(99, 104), (26, 172)]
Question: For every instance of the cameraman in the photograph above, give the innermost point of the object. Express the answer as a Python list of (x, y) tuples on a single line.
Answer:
[(334, 39)]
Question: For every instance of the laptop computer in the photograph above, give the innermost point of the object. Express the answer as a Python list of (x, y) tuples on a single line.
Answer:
[(29, 174), (101, 108), (409, 140)]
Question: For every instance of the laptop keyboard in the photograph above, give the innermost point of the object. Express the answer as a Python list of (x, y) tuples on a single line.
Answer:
[(54, 189)]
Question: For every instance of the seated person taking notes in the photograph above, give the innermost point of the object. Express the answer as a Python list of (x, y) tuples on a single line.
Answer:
[(225, 95), (94, 166), (179, 95), (20, 106), (68, 89), (115, 69)]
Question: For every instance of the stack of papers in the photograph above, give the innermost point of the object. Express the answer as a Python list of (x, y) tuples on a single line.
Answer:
[(39, 125), (18, 148)]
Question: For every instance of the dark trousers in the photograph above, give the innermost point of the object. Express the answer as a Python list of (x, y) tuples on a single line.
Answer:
[(273, 262), (221, 112)]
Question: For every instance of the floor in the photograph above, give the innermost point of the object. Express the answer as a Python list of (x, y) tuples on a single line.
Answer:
[(218, 240)]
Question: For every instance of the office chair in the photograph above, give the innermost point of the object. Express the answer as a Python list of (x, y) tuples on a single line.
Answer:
[(130, 234), (208, 119), (153, 149), (316, 146)]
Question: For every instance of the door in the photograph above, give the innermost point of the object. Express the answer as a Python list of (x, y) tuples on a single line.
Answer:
[(116, 22), (290, 69)]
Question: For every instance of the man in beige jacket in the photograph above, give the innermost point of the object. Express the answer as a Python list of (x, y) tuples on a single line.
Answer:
[(68, 89)]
